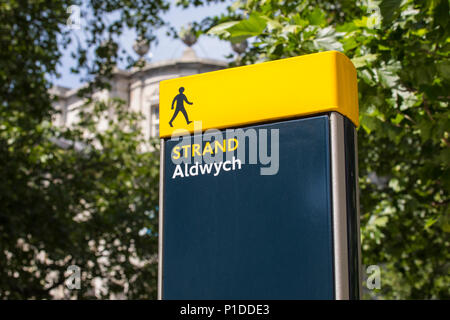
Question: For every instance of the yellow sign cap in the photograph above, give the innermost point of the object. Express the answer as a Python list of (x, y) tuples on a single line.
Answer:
[(258, 93)]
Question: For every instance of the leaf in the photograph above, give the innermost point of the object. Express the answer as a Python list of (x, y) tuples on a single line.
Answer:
[(222, 29), (381, 221), (291, 29), (430, 222), (272, 24), (426, 128), (326, 39), (360, 62), (387, 77), (251, 27), (398, 118), (441, 13), (317, 17), (350, 43), (394, 184), (347, 27), (235, 5), (360, 22), (367, 76), (368, 123), (388, 10)]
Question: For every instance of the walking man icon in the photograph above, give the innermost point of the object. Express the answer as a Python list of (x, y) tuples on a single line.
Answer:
[(180, 98)]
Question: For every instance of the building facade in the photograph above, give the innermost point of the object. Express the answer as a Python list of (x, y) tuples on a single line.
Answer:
[(139, 88)]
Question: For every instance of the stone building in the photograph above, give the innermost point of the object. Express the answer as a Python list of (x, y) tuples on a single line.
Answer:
[(139, 88)]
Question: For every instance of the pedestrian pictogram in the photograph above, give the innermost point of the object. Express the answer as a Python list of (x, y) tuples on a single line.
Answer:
[(180, 99)]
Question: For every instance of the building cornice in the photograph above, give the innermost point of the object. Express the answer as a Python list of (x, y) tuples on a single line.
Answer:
[(150, 67)]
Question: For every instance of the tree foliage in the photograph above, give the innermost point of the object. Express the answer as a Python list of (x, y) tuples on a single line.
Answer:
[(401, 52), (73, 196)]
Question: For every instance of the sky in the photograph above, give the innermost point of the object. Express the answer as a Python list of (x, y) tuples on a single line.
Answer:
[(167, 48)]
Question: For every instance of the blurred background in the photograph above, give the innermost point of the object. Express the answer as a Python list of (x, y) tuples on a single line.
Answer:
[(79, 125)]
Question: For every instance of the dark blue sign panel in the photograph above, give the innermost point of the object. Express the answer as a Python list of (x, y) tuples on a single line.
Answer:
[(239, 234)]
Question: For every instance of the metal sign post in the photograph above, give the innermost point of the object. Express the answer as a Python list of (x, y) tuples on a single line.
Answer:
[(258, 189)]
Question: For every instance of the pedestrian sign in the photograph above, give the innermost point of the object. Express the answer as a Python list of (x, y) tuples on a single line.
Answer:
[(180, 99), (258, 192)]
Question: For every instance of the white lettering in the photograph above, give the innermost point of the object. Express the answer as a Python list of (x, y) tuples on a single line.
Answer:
[(178, 172)]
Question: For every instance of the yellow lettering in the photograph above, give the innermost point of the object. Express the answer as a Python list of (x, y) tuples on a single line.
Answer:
[(207, 148), (176, 152), (185, 148), (236, 143), (223, 148), (196, 150)]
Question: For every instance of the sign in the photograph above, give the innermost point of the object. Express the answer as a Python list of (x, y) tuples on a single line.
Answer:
[(258, 195)]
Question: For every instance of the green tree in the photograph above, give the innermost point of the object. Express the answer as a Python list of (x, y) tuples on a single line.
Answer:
[(401, 52), (81, 197), (73, 196)]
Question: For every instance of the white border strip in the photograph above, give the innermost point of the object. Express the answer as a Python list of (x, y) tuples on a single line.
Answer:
[(339, 207), (161, 217)]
